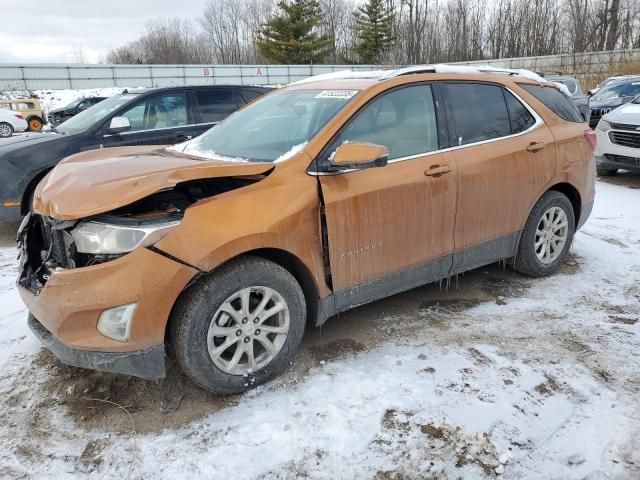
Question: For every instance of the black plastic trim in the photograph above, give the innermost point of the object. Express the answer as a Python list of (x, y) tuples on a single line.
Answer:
[(148, 364)]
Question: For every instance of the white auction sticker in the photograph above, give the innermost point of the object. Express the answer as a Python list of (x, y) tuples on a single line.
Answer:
[(337, 94)]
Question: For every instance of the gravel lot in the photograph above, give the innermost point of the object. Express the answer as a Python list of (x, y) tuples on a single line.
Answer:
[(498, 375)]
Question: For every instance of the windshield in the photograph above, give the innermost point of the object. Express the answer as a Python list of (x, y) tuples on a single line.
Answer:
[(617, 90), (96, 113), (74, 103), (270, 129)]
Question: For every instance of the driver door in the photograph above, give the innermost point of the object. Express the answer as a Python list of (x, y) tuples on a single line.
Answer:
[(391, 228), (156, 120)]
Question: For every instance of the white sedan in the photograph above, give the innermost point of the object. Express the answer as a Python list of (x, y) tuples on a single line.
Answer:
[(11, 122)]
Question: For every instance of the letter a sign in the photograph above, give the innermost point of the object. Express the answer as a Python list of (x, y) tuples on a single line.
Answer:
[(258, 71)]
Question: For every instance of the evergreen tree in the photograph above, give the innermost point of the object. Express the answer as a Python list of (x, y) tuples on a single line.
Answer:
[(291, 36), (374, 30)]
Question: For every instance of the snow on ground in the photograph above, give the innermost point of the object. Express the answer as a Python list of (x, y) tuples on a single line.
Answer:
[(52, 99), (441, 384)]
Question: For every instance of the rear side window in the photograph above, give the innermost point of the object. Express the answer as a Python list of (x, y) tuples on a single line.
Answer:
[(555, 101), (216, 104), (478, 112), (520, 118)]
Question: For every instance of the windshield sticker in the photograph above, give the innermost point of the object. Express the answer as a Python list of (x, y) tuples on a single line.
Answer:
[(337, 94)]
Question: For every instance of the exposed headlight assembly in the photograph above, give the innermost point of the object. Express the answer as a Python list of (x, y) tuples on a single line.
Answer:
[(603, 126), (96, 237)]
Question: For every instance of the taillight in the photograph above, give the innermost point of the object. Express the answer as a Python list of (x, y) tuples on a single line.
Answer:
[(19, 115), (590, 135)]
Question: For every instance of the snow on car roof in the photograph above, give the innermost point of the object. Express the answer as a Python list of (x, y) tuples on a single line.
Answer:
[(436, 68)]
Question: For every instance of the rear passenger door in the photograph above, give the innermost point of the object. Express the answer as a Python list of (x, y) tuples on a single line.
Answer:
[(505, 156), (214, 105), (162, 119)]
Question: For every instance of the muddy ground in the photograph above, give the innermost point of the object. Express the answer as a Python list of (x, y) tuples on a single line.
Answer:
[(42, 391)]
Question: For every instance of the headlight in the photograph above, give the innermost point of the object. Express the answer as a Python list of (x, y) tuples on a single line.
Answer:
[(109, 238), (603, 126)]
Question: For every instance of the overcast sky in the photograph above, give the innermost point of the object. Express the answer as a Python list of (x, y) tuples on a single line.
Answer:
[(50, 30)]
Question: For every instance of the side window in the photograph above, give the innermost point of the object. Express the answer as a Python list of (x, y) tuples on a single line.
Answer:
[(84, 105), (478, 112), (250, 95), (216, 104), (520, 118), (163, 111), (403, 120), (555, 101)]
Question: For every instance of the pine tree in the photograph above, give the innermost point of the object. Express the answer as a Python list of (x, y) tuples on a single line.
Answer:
[(291, 36), (374, 30)]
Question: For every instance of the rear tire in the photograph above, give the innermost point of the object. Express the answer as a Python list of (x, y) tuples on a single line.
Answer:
[(547, 236), (224, 308), (606, 172), (35, 124), (6, 130)]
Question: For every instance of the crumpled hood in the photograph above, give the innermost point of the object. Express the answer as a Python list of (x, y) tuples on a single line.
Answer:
[(99, 181), (629, 114)]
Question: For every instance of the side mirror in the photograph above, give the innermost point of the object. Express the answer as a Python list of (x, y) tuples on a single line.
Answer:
[(359, 155), (119, 125)]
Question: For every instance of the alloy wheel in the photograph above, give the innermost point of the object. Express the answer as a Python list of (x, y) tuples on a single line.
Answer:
[(248, 330), (551, 235), (5, 130)]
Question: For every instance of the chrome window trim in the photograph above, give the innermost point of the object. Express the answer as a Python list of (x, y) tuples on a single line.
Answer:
[(160, 129), (537, 124)]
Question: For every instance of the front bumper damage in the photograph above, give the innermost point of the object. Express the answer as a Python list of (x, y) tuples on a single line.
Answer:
[(148, 363), (66, 295)]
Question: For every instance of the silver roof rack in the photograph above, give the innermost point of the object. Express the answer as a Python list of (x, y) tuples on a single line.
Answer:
[(416, 69)]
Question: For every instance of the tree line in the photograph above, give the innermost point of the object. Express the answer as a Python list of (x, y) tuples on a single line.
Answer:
[(393, 32)]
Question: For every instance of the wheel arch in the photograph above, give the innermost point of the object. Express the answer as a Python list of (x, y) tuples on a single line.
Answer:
[(573, 195), (30, 188), (300, 272), (281, 257)]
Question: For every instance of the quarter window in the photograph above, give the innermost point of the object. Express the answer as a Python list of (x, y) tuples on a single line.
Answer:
[(520, 118), (216, 104), (403, 120), (158, 112), (555, 101), (478, 112)]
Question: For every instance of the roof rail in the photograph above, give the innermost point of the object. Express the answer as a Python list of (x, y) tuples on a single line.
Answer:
[(442, 68)]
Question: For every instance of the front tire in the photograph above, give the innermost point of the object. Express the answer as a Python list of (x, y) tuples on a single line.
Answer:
[(6, 130), (547, 236), (240, 326)]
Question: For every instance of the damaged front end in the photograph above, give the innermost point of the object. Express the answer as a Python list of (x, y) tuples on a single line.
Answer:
[(47, 244)]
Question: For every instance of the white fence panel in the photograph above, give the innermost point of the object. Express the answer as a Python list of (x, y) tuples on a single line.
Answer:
[(75, 76)]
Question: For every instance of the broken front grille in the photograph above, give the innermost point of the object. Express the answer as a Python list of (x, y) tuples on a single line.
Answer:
[(45, 245)]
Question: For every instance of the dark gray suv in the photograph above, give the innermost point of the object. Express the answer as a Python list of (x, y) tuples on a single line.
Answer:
[(158, 116)]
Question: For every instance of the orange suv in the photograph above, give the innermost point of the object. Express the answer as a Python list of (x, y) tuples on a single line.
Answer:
[(313, 199)]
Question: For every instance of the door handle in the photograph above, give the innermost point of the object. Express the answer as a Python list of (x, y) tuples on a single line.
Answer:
[(437, 170), (535, 146)]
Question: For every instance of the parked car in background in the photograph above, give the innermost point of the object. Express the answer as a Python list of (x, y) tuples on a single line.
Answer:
[(11, 122), (314, 199), (619, 140), (30, 109), (159, 116), (611, 97), (579, 98), (607, 82), (59, 115)]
